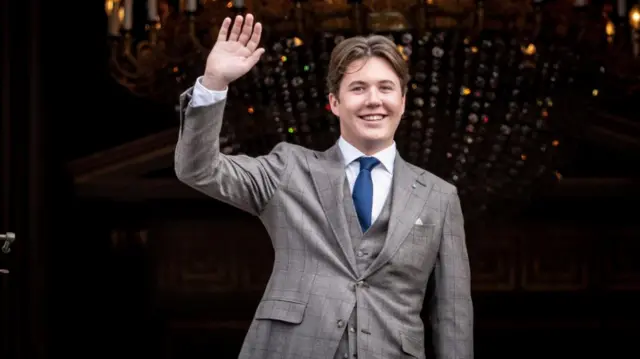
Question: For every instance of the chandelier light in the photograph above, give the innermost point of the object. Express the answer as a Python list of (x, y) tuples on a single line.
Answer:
[(493, 92)]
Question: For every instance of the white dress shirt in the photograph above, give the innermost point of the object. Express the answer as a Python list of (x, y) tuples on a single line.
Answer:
[(381, 175)]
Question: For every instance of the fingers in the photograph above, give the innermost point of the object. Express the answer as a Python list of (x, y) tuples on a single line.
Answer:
[(252, 45), (246, 30), (235, 31), (247, 34), (224, 30)]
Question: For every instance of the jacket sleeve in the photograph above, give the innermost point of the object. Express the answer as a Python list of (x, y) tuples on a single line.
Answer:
[(245, 182), (451, 305)]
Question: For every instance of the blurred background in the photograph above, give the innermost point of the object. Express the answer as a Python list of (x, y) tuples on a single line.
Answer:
[(529, 107)]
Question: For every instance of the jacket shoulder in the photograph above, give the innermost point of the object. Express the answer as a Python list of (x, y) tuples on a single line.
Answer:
[(438, 183)]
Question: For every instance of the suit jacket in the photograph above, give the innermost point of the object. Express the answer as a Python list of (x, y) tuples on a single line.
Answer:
[(298, 195)]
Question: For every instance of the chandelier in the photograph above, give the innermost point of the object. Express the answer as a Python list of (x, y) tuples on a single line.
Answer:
[(495, 86)]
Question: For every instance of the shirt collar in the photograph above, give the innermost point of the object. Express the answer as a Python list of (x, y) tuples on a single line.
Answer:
[(387, 156)]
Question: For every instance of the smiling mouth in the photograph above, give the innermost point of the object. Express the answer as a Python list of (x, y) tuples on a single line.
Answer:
[(372, 118)]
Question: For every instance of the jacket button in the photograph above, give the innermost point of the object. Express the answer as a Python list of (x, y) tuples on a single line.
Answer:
[(340, 323)]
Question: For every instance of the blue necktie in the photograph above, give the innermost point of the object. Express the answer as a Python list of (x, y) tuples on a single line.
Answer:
[(363, 191)]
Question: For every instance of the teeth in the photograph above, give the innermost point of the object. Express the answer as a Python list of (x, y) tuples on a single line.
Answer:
[(373, 117)]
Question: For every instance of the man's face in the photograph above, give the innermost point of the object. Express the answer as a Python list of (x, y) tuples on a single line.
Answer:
[(370, 103)]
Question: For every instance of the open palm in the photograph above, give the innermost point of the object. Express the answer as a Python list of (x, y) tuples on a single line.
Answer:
[(235, 52)]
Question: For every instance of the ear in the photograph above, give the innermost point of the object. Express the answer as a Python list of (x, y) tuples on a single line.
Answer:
[(334, 102), (404, 101)]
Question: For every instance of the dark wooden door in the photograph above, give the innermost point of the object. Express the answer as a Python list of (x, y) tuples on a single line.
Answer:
[(23, 211), (8, 288)]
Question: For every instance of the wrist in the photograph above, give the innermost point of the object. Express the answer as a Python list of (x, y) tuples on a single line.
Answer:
[(213, 83)]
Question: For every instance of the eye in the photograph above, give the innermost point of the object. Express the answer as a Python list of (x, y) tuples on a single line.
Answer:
[(357, 89)]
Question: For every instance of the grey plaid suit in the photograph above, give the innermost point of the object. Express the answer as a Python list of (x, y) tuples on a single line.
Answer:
[(316, 285)]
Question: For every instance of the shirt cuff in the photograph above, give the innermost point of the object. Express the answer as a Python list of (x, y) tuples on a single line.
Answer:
[(202, 96)]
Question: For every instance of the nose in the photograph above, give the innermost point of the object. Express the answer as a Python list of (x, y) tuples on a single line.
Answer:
[(373, 99)]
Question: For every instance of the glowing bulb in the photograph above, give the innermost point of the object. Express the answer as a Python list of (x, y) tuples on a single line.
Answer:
[(529, 50), (610, 29), (634, 17), (108, 6)]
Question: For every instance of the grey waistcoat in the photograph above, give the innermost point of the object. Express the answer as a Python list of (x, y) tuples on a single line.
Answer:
[(366, 248)]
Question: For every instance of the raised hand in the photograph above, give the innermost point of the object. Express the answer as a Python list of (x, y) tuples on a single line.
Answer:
[(234, 53)]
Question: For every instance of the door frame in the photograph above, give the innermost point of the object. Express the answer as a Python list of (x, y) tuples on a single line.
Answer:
[(23, 208), (7, 300)]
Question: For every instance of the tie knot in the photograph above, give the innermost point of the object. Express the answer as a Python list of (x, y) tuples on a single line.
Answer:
[(367, 163)]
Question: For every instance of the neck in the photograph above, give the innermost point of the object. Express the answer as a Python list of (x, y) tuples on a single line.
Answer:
[(369, 148)]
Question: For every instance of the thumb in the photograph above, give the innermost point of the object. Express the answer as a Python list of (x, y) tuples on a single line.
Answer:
[(255, 57)]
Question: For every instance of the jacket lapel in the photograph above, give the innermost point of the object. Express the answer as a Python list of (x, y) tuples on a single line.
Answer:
[(410, 191), (328, 174)]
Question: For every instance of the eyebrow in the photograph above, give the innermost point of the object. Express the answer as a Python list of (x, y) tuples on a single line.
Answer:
[(382, 82)]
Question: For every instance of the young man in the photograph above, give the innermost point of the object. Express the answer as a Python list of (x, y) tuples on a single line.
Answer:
[(356, 230)]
